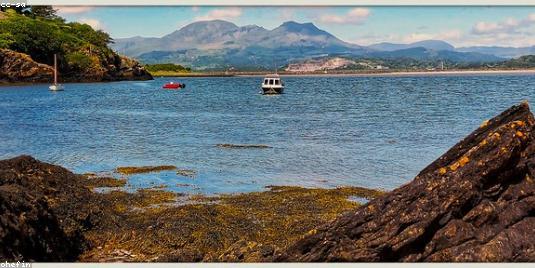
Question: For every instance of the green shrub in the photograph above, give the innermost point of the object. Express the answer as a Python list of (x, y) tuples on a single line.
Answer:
[(169, 67), (6, 39), (78, 61)]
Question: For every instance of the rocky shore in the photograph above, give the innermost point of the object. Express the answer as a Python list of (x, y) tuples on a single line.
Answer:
[(17, 67), (50, 214), (474, 203)]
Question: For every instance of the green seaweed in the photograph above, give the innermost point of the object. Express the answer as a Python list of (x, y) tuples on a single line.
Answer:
[(232, 227), (143, 169)]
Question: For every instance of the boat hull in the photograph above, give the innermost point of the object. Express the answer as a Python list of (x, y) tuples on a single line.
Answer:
[(55, 88), (272, 90), (174, 86)]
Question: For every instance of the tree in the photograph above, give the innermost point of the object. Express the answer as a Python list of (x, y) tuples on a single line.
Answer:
[(23, 10), (47, 12)]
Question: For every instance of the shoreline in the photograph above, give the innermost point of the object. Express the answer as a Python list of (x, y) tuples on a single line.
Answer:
[(391, 73), (4, 84)]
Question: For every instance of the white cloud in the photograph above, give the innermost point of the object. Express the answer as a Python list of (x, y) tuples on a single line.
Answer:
[(452, 35), (516, 32), (73, 9), (221, 14), (486, 28), (355, 15), (415, 37), (96, 24), (508, 26), (508, 32)]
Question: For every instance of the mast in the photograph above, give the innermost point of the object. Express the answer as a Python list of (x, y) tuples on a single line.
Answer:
[(55, 70)]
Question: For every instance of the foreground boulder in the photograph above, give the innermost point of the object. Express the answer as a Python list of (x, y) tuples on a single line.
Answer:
[(43, 211), (474, 203)]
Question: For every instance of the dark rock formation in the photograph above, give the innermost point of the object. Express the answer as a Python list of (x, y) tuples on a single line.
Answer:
[(18, 67), (474, 203), (43, 211), (127, 69)]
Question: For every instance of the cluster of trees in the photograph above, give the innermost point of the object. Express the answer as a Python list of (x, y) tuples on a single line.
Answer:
[(527, 61), (39, 32), (167, 67)]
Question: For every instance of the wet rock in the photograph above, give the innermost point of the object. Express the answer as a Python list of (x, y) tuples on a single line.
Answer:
[(186, 173), (474, 203), (243, 146)]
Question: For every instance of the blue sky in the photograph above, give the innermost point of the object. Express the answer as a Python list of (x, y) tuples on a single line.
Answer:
[(461, 26)]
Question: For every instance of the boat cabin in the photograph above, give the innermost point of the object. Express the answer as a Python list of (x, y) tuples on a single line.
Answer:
[(272, 84), (273, 81)]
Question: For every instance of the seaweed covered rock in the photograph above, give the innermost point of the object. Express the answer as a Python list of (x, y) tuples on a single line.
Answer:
[(43, 211), (474, 203)]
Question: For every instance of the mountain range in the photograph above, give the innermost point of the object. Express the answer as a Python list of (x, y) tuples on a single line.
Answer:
[(219, 44)]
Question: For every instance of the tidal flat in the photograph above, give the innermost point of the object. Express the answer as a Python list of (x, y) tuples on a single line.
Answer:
[(159, 225)]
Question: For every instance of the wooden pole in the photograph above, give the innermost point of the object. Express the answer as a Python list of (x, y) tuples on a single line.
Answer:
[(55, 70)]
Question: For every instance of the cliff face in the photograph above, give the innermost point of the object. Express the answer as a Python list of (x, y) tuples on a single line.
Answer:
[(19, 67), (474, 203)]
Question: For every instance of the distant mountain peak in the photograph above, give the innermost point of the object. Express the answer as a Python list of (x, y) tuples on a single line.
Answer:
[(211, 23), (295, 23), (305, 28), (428, 44)]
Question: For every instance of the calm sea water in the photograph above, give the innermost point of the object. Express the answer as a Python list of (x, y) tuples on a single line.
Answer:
[(324, 131)]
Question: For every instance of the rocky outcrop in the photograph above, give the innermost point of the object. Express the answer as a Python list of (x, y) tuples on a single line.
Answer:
[(128, 69), (19, 67), (43, 211), (474, 203)]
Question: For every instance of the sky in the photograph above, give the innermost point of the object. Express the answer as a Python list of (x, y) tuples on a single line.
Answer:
[(460, 26)]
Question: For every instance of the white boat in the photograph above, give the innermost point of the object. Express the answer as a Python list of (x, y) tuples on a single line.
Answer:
[(272, 84), (55, 86)]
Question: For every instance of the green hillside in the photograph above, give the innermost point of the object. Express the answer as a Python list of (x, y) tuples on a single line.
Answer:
[(83, 52)]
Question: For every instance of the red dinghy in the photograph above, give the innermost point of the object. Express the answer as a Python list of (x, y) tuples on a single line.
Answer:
[(173, 85)]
